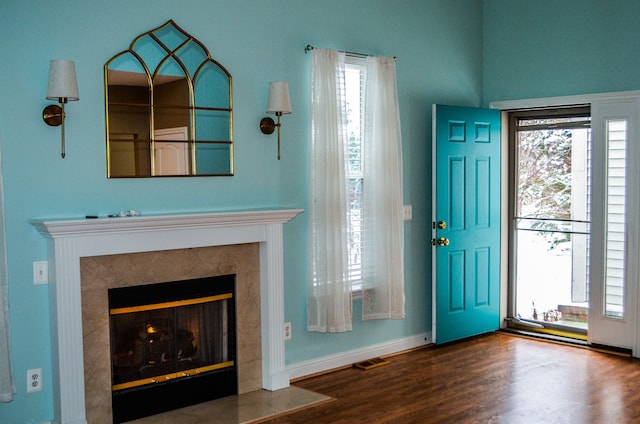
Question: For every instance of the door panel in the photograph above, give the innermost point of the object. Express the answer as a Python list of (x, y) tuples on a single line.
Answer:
[(483, 203), (455, 281), (483, 277), (457, 198), (466, 156)]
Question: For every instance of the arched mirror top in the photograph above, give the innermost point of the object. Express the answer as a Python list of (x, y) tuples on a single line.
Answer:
[(169, 108)]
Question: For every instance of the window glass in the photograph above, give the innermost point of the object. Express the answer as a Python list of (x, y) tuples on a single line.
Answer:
[(551, 216), (355, 72)]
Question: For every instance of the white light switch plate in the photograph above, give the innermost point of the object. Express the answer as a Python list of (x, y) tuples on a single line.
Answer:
[(40, 272)]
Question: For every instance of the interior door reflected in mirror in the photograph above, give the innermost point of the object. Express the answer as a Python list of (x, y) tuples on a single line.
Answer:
[(168, 108)]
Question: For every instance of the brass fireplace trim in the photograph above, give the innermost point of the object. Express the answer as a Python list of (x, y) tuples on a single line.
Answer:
[(167, 305), (171, 376)]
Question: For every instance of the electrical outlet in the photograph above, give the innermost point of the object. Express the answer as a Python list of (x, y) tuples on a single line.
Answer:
[(40, 272), (34, 380), (287, 331)]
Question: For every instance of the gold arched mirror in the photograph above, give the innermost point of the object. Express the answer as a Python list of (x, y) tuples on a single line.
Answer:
[(169, 108)]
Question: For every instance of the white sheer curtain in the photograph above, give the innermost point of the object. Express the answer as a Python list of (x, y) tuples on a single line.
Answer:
[(383, 256), (329, 289), (7, 387)]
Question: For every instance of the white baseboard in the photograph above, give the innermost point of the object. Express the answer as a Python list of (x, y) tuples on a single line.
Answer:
[(338, 360)]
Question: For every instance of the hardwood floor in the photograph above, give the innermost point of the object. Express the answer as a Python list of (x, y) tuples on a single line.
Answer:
[(497, 378)]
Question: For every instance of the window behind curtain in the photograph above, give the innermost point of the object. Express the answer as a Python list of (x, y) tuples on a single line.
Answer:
[(355, 77)]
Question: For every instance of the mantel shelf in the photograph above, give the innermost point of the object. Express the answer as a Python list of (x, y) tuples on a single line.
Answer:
[(61, 227)]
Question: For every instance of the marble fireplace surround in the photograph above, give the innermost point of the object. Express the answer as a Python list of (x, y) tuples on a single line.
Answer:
[(69, 240)]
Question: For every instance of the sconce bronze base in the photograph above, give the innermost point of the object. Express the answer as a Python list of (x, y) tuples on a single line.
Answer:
[(267, 125), (52, 115)]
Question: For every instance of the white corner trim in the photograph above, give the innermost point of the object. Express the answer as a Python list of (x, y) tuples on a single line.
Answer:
[(338, 360)]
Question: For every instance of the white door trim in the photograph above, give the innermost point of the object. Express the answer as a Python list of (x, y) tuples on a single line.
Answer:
[(577, 100)]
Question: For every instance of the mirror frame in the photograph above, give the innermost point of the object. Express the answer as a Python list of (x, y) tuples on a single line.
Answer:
[(208, 111)]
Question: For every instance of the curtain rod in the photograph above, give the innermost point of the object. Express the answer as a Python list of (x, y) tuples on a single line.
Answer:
[(310, 47)]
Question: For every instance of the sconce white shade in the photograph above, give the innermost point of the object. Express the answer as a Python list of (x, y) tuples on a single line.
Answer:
[(62, 80), (278, 98)]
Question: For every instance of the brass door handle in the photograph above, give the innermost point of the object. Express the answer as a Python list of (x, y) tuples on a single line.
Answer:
[(443, 241), (442, 225)]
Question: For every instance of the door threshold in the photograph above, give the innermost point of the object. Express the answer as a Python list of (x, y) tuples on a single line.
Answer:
[(545, 336), (550, 328), (568, 341)]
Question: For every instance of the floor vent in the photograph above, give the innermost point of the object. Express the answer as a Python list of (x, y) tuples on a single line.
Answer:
[(371, 363)]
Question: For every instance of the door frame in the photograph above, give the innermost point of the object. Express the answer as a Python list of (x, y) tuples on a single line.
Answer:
[(548, 102)]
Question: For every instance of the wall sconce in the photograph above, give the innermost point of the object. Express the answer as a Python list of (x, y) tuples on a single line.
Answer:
[(62, 87), (279, 104)]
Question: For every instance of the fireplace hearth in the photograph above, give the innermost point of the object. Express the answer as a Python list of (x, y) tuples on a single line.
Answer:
[(172, 345)]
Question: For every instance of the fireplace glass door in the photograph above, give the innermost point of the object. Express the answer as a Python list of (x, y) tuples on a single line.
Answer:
[(171, 335), (169, 340)]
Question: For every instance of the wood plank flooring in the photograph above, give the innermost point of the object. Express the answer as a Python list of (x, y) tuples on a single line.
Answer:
[(497, 378)]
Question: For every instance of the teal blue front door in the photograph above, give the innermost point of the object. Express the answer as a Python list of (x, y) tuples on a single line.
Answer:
[(466, 222)]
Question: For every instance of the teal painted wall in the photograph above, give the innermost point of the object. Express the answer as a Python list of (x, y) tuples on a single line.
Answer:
[(545, 48), (439, 48)]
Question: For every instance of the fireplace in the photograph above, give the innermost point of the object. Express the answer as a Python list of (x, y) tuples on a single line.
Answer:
[(172, 345), (101, 275), (89, 241)]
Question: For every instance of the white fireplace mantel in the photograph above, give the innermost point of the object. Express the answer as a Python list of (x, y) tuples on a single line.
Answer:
[(71, 239)]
